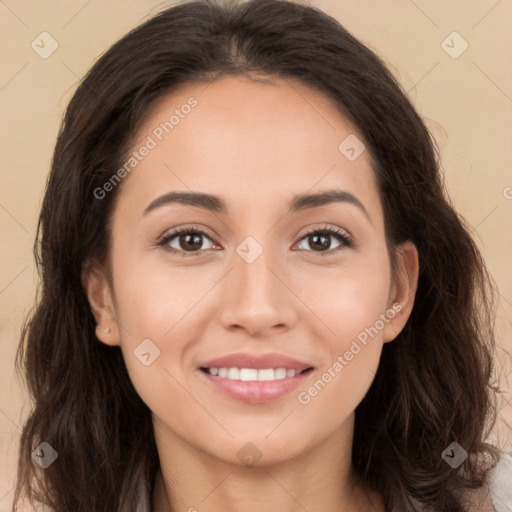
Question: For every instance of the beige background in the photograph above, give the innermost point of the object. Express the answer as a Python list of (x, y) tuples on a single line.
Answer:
[(466, 101)]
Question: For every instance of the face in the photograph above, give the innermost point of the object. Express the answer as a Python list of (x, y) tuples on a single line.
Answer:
[(307, 280)]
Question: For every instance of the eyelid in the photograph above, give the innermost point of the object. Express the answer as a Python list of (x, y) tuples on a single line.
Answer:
[(332, 229)]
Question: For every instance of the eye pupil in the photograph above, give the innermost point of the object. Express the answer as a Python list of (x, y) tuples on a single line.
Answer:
[(191, 238), (316, 237)]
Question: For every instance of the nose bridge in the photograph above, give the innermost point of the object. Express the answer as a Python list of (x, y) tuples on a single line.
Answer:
[(254, 270), (256, 297)]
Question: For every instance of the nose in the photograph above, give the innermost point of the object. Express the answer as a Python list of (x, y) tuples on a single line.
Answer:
[(257, 297)]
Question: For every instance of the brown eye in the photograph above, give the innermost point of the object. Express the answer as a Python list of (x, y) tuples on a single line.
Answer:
[(320, 240), (185, 241), (190, 241)]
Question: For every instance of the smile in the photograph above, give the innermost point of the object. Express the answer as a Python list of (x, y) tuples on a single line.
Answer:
[(253, 374), (250, 386)]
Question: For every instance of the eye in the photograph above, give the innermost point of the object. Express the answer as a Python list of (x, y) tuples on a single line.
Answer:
[(187, 241), (320, 238)]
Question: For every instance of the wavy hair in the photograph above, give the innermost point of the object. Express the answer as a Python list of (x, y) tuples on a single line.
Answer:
[(433, 385)]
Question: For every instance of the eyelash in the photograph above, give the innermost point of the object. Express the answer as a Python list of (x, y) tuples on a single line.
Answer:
[(340, 235)]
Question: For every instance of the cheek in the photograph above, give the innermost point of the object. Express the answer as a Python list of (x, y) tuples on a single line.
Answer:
[(354, 307), (151, 308), (152, 294), (347, 298)]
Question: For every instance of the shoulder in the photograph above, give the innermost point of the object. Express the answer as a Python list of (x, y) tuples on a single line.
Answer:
[(500, 483), (496, 494), (144, 496)]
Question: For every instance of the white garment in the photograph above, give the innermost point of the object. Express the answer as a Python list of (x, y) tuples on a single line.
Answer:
[(145, 497), (500, 484)]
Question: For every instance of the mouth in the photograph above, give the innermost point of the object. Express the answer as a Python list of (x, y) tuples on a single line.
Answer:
[(254, 374), (254, 378)]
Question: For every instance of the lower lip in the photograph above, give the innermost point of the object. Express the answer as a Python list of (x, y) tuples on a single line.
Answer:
[(255, 392)]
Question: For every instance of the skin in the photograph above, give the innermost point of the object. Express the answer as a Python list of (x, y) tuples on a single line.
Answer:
[(254, 144)]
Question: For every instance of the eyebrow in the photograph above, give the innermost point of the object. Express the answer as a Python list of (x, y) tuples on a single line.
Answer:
[(216, 204)]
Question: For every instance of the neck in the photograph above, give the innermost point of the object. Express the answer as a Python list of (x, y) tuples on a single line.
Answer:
[(319, 480)]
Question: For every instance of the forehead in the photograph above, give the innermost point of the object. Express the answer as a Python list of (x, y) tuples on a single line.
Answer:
[(244, 138)]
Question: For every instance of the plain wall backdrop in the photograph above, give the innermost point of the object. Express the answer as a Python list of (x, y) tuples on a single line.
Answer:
[(452, 57)]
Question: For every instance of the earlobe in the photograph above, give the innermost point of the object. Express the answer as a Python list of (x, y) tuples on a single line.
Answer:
[(99, 295), (403, 290)]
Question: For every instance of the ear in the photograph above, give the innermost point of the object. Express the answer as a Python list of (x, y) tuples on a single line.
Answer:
[(403, 290), (97, 288)]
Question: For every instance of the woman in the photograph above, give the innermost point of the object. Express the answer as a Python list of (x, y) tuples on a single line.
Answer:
[(255, 293)]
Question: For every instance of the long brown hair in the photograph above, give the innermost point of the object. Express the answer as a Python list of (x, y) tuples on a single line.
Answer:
[(433, 385)]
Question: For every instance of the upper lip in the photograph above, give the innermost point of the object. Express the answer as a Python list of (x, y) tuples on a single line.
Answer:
[(258, 361)]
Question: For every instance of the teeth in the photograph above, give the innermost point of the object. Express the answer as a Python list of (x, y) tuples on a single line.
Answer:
[(267, 374), (233, 373), (247, 374), (253, 374), (280, 373)]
